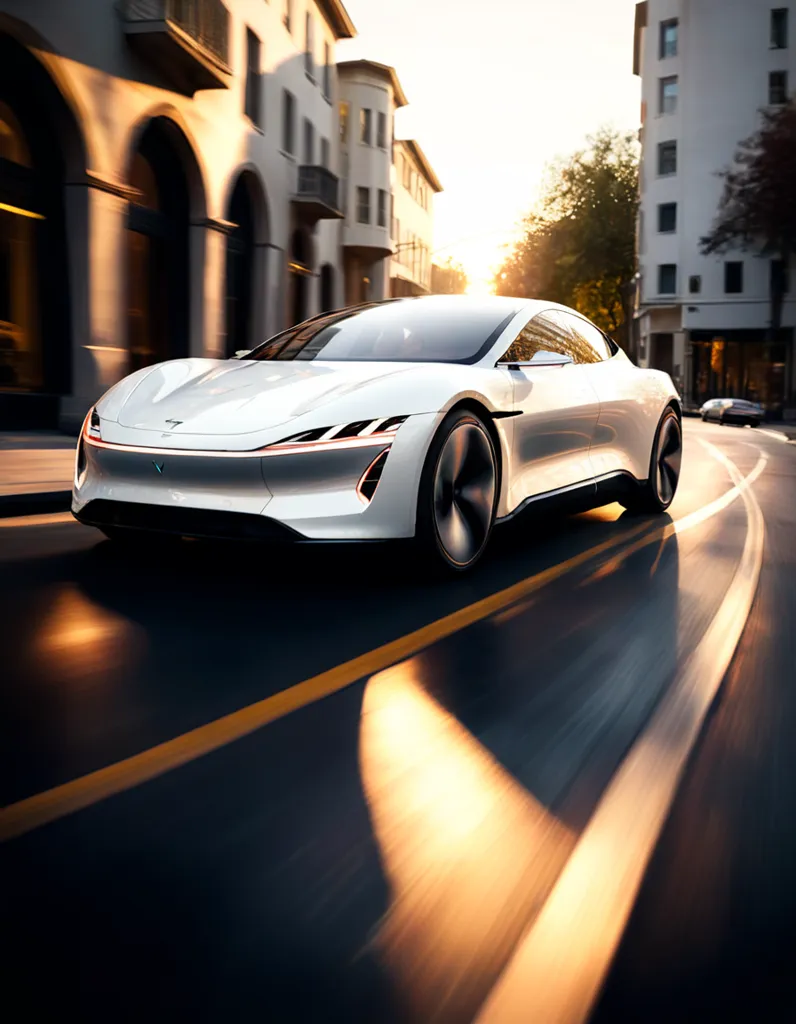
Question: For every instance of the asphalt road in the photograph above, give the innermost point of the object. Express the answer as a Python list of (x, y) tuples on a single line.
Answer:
[(217, 816)]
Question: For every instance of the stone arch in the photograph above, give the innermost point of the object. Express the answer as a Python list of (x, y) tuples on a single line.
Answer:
[(246, 264)]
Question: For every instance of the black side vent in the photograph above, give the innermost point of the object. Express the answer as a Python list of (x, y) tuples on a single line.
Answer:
[(370, 481), (353, 429), (308, 435), (391, 423)]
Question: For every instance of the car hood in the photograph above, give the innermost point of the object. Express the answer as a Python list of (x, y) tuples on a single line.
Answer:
[(225, 397)]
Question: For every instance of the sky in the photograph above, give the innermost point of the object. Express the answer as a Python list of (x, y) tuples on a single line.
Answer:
[(496, 91)]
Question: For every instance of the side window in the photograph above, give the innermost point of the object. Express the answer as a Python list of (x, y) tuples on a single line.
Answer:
[(593, 337), (580, 348), (541, 334)]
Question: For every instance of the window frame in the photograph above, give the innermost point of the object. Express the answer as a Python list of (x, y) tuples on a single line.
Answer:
[(664, 25), (308, 141), (732, 267), (344, 120), (663, 81), (779, 20), (289, 110), (326, 153), (661, 268), (252, 106), (673, 150), (381, 129), (668, 207), (381, 208), (363, 190), (309, 56), (782, 91), (327, 71), (365, 126)]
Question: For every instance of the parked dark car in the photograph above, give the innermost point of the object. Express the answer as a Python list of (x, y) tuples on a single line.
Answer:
[(733, 410)]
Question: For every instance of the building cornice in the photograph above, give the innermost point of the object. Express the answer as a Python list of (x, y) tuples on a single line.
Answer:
[(384, 71), (422, 160), (338, 18)]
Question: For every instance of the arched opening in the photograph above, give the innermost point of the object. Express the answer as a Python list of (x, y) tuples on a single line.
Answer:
[(327, 287), (240, 267), (36, 127), (158, 274), (300, 267)]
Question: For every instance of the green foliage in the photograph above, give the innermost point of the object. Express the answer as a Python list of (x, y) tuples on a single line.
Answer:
[(578, 248), (448, 278)]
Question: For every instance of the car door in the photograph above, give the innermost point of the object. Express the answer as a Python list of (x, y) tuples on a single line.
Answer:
[(555, 408), (623, 437)]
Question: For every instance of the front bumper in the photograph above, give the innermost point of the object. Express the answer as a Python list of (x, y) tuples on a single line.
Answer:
[(307, 496)]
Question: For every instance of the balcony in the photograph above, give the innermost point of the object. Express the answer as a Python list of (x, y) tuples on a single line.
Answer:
[(317, 194), (186, 40)]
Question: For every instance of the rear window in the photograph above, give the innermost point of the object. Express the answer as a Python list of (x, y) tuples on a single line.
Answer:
[(412, 331)]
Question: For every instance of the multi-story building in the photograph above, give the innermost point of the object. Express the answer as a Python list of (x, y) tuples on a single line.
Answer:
[(168, 186), (414, 187), (370, 93), (707, 67)]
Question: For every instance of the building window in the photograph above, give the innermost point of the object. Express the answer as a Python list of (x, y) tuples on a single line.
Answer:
[(344, 112), (251, 101), (396, 237), (777, 87), (309, 142), (365, 117), (667, 100), (667, 278), (327, 71), (325, 153), (309, 65), (363, 205), (668, 39), (733, 277), (407, 174), (288, 122), (779, 28), (381, 131), (780, 279), (667, 217), (694, 284), (382, 211), (667, 157), (287, 18)]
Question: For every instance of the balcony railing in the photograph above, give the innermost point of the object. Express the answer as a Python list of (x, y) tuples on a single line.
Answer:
[(317, 192), (188, 39)]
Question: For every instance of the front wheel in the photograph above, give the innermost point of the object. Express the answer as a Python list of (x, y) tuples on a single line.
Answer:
[(458, 492), (657, 493)]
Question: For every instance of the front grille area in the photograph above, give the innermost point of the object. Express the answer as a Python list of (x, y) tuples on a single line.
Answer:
[(209, 524)]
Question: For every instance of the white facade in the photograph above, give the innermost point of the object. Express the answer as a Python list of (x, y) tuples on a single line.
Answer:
[(370, 93), (414, 186), (707, 69), (115, 90)]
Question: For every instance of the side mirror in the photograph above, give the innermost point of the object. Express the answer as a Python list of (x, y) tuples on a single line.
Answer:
[(540, 359), (241, 352)]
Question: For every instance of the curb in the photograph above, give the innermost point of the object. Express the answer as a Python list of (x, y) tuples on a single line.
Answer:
[(34, 503)]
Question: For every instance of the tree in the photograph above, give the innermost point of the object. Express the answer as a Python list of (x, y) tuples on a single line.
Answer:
[(757, 209), (578, 247), (448, 278)]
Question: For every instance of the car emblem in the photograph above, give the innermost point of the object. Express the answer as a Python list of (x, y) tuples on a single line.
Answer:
[(159, 468), (175, 422)]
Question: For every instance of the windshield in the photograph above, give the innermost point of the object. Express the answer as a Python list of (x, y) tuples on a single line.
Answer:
[(422, 331)]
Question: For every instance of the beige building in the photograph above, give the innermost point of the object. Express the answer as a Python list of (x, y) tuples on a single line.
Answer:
[(414, 187), (169, 186)]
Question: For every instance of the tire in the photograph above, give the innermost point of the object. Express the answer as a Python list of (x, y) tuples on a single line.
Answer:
[(458, 493), (657, 492), (704, 417)]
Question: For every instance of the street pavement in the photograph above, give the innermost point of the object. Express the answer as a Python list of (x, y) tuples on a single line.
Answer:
[(246, 784)]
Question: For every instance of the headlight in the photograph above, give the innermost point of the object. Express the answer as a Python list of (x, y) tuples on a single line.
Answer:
[(91, 425), (359, 434)]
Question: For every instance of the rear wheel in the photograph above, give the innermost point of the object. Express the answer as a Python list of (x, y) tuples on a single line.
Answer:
[(658, 491), (458, 492)]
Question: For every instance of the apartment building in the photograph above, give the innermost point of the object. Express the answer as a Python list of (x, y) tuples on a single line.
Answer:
[(370, 93), (169, 186), (707, 68), (414, 186)]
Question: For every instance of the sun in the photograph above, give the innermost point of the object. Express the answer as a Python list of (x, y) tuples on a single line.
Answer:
[(480, 287)]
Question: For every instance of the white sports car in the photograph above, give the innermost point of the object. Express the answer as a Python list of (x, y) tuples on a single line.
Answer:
[(431, 418)]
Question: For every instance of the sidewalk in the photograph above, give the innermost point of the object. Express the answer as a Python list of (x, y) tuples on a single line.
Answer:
[(35, 472)]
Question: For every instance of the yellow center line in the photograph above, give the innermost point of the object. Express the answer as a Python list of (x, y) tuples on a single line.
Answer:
[(38, 810)]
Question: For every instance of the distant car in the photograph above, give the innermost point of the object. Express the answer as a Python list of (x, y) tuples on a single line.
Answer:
[(733, 410), (430, 418)]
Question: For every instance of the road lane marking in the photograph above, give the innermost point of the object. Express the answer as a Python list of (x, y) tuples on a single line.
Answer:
[(42, 808), (38, 810), (557, 972), (41, 519), (773, 433)]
